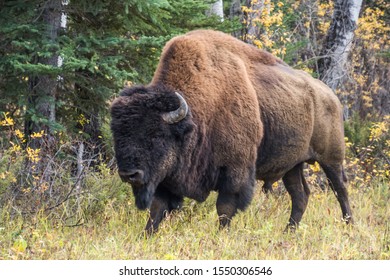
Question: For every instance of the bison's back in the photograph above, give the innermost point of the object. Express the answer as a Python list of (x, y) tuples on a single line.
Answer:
[(301, 118)]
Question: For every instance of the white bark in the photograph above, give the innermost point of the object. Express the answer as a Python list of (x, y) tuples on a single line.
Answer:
[(339, 41), (63, 23), (80, 167), (216, 9)]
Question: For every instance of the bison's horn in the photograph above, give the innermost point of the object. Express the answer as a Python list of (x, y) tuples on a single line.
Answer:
[(178, 114)]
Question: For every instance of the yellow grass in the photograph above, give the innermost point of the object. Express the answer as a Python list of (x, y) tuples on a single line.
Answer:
[(192, 233)]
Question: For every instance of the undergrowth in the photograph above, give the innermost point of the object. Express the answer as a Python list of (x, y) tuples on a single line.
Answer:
[(85, 212), (116, 232)]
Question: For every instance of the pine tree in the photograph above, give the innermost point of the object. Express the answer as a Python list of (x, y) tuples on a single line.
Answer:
[(105, 45)]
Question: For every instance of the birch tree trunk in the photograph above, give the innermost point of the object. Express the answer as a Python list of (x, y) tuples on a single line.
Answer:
[(338, 42), (216, 9)]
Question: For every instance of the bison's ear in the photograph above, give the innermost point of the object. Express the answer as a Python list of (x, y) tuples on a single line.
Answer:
[(134, 89), (183, 128)]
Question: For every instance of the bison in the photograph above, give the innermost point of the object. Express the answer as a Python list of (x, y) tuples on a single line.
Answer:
[(217, 115)]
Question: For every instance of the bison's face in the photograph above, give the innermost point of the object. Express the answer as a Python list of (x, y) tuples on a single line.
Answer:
[(149, 131)]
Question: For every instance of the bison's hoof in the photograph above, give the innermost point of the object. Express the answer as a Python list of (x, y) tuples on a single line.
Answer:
[(149, 231), (290, 228), (224, 222), (348, 220)]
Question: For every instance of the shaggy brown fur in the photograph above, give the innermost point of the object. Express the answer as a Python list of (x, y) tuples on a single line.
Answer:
[(250, 116)]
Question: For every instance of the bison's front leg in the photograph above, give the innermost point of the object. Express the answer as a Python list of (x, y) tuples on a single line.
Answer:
[(235, 193), (226, 208), (163, 203)]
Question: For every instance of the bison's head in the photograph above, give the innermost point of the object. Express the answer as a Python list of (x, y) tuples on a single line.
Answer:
[(149, 129)]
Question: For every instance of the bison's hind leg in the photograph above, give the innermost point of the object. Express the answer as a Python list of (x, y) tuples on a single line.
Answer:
[(336, 177), (267, 187), (296, 186)]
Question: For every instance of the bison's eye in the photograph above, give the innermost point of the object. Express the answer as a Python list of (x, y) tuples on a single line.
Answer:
[(158, 143)]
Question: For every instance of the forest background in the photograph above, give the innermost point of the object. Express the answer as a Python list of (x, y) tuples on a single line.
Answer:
[(61, 64)]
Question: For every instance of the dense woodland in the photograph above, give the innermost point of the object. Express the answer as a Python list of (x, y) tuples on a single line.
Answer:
[(62, 62)]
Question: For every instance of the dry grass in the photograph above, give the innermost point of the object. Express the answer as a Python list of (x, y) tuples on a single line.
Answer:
[(257, 233)]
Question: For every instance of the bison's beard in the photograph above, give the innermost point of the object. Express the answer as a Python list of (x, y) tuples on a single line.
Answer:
[(143, 196), (144, 193)]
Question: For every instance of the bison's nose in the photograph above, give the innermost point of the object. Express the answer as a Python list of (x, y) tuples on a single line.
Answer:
[(134, 176)]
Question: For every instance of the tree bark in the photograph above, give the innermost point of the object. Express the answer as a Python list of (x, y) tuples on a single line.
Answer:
[(216, 9), (255, 9), (41, 101), (43, 88), (235, 11), (338, 42)]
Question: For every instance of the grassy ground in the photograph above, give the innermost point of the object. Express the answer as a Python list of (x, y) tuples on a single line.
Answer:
[(257, 233)]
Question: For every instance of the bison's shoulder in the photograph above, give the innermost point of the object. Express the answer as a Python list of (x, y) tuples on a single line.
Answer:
[(204, 50), (216, 40)]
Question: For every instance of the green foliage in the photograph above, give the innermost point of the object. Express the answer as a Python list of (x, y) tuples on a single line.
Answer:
[(105, 45), (357, 130), (190, 14)]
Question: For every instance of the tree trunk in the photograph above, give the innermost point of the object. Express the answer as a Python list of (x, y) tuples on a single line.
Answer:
[(337, 45), (216, 9), (252, 16), (235, 11), (41, 101)]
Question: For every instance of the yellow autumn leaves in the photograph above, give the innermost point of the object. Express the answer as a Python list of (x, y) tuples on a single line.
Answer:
[(17, 149), (269, 18)]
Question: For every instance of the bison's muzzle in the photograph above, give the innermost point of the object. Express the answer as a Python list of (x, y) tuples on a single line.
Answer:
[(142, 191), (135, 177)]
